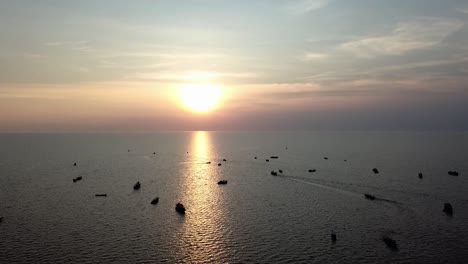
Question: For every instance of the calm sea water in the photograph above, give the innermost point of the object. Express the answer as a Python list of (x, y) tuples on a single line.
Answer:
[(255, 218)]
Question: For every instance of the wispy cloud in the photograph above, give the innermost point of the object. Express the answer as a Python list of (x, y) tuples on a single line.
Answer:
[(463, 9), (80, 45), (306, 6), (310, 56), (420, 33), (191, 76)]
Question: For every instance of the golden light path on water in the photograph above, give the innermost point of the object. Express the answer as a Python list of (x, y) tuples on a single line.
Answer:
[(204, 226)]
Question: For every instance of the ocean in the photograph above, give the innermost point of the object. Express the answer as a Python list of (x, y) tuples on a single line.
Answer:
[(255, 218)]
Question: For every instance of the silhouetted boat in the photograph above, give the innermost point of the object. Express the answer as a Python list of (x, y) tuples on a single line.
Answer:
[(224, 160), (223, 182), (154, 153), (274, 173), (255, 158), (180, 208), (101, 195), (267, 160), (325, 158), (209, 162), (448, 209), (312, 170), (391, 243), (155, 200), (333, 236), (453, 173), (77, 179), (375, 170), (420, 175), (219, 164), (1, 219), (274, 157), (280, 171), (137, 186), (369, 196), (74, 164)]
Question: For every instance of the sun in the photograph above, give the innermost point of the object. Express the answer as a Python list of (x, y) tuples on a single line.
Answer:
[(200, 97)]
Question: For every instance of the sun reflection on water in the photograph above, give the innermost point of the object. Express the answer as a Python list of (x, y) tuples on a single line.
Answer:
[(203, 238)]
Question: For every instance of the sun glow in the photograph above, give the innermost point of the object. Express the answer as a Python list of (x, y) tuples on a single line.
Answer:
[(200, 97)]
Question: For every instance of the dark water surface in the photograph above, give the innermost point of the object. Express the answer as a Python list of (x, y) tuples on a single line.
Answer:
[(255, 218)]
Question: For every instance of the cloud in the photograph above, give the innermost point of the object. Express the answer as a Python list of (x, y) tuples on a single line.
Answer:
[(80, 45), (463, 10), (420, 33), (314, 56), (306, 6), (191, 76)]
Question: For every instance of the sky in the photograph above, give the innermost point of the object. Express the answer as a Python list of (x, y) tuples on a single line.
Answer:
[(114, 65)]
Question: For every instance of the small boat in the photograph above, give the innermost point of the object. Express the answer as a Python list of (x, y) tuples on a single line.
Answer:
[(1, 219), (267, 160), (333, 236), (180, 208), (274, 173), (420, 175), (314, 170), (219, 164), (453, 173), (448, 209), (274, 157), (369, 196), (74, 164), (154, 153), (223, 182), (375, 170), (280, 171), (255, 158), (137, 186), (391, 243), (155, 201), (77, 179), (325, 158), (224, 160), (101, 195), (208, 162)]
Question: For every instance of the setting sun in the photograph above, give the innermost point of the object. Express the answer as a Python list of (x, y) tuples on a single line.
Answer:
[(200, 97)]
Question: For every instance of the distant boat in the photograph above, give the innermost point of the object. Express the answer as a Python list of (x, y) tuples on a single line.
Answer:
[(274, 173), (155, 201), (453, 173), (219, 164), (369, 196), (274, 157), (267, 160), (1, 219), (77, 179), (420, 175), (224, 160), (209, 162), (314, 170), (280, 171), (74, 164), (101, 195), (255, 158), (180, 208), (375, 170), (325, 158), (391, 243), (137, 186), (448, 209), (333, 236), (223, 182)]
